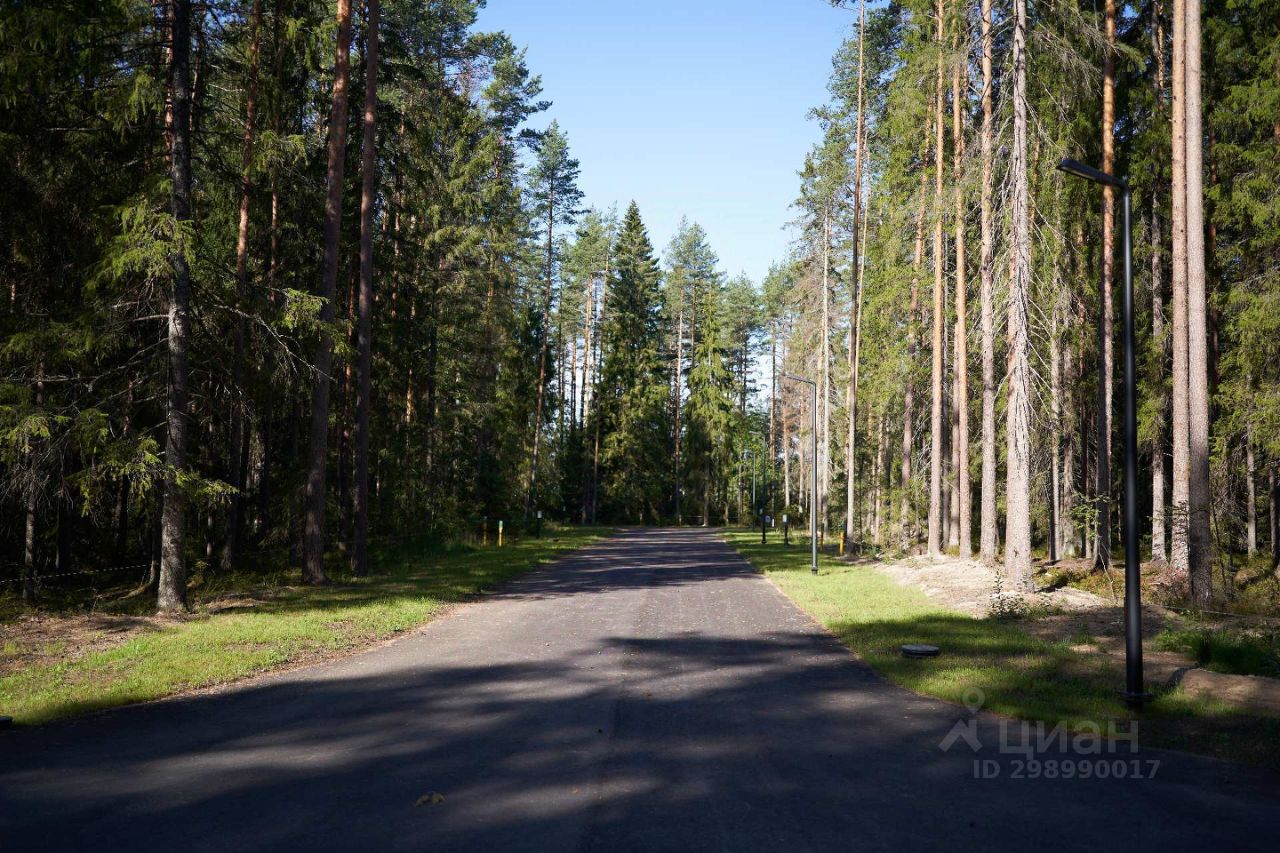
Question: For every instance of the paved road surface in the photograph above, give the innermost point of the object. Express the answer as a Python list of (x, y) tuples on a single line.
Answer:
[(649, 693)]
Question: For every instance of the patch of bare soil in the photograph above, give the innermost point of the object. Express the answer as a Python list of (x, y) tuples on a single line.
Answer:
[(1090, 623), (42, 638)]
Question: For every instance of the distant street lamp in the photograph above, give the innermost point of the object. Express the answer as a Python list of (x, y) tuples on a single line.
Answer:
[(747, 454), (1134, 694), (813, 504)]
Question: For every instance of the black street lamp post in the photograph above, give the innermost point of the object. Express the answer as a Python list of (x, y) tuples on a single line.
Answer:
[(1134, 693)]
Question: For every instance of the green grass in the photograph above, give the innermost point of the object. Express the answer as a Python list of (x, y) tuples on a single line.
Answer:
[(1231, 652), (285, 626), (1018, 675)]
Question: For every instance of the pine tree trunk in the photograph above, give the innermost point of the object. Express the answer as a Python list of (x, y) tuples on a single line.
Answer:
[(1274, 501), (172, 594), (877, 479), (987, 523), (1197, 322), (786, 440), (1106, 393), (1055, 427), (824, 393), (1159, 550), (1018, 465), (939, 315), (773, 407), (364, 324), (964, 489), (1181, 401), (855, 297), (1159, 538), (313, 546), (1251, 495), (676, 404), (909, 397)]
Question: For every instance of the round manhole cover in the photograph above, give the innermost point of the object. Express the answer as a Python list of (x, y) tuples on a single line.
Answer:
[(919, 650)]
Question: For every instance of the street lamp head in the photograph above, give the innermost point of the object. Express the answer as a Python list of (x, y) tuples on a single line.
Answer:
[(1080, 170), (795, 378)]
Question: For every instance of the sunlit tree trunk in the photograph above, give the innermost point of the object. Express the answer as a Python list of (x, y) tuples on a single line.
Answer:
[(172, 590), (909, 395), (964, 509), (1197, 321), (1159, 550), (824, 392), (1181, 402), (1106, 383), (855, 298), (987, 522), (676, 405), (1018, 465), (939, 313)]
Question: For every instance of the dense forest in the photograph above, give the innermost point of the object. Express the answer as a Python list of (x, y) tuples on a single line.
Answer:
[(284, 278), (957, 296), (288, 278)]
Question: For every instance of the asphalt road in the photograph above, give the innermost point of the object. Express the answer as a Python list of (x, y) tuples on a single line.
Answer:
[(648, 693)]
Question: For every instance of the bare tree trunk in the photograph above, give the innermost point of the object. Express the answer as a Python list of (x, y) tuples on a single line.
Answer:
[(588, 320), (1018, 473), (909, 397), (31, 504), (364, 325), (1159, 550), (1181, 402), (987, 523), (855, 298), (939, 314), (824, 394), (1159, 546), (1197, 322), (172, 595), (773, 409), (1274, 495), (964, 490), (1106, 393), (676, 383), (878, 476), (1251, 494), (317, 452), (1055, 409), (786, 438)]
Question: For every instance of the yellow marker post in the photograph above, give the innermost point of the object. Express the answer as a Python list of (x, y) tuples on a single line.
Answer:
[(499, 533), (841, 542)]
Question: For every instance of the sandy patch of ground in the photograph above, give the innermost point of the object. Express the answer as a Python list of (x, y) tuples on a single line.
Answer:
[(1089, 622)]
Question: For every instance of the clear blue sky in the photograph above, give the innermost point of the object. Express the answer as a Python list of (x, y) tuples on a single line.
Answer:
[(694, 108)]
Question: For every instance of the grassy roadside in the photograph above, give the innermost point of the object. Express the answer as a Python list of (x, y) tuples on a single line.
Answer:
[(268, 629), (1019, 675)]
